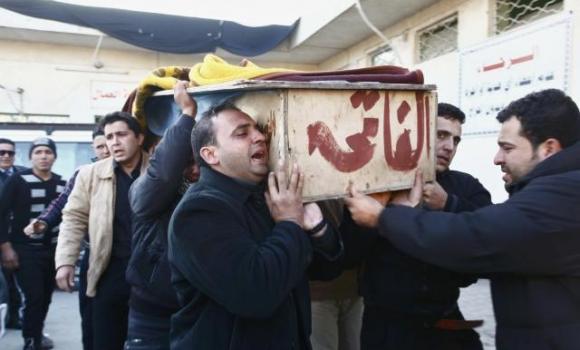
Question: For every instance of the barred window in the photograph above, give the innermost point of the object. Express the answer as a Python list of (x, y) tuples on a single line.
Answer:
[(438, 39), (510, 14), (383, 56)]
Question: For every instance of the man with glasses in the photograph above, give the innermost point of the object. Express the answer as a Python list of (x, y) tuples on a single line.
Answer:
[(8, 291)]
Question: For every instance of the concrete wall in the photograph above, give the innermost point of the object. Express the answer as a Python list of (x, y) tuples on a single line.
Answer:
[(61, 79)]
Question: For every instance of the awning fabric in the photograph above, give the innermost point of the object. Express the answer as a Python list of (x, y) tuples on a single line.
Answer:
[(159, 32)]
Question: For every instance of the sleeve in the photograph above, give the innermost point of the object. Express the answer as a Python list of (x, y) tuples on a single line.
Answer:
[(7, 199), (52, 215), (358, 241), (534, 232), (328, 250), (472, 197), (75, 221), (248, 278), (154, 191)]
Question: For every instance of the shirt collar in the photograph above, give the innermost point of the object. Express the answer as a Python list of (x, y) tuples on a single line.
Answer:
[(135, 173)]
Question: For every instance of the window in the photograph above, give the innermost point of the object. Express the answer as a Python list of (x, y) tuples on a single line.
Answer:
[(437, 39), (510, 14), (383, 56)]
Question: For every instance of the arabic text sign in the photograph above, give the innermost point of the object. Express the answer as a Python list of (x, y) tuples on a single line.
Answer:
[(509, 67)]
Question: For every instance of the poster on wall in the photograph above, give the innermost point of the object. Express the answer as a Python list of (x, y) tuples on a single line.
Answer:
[(109, 95), (511, 65)]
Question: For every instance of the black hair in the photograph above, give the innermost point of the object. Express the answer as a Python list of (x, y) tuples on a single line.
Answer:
[(98, 131), (449, 111), (545, 114), (8, 141), (125, 117), (203, 133)]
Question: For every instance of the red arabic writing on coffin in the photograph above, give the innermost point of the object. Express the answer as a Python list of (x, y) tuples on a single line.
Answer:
[(402, 158)]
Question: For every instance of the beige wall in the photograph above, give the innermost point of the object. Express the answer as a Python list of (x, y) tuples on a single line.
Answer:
[(61, 79)]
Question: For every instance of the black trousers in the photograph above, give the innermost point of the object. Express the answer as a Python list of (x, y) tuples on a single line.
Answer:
[(35, 282), (14, 302), (110, 307), (381, 331), (85, 303)]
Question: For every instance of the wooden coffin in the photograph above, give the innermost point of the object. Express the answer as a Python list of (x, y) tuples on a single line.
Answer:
[(376, 135)]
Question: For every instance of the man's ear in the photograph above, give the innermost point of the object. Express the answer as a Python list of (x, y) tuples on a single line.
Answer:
[(210, 155), (549, 147), (140, 139)]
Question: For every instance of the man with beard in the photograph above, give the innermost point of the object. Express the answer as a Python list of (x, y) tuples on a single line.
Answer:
[(27, 193), (529, 245), (240, 251)]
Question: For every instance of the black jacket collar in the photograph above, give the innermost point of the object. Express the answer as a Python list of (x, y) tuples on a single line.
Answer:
[(238, 190)]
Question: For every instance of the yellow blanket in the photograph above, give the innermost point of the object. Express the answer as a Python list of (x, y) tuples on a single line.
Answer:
[(160, 79), (213, 70)]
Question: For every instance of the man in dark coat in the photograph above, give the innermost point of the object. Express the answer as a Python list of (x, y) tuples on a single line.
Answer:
[(529, 245), (239, 257), (8, 292), (153, 197), (410, 304)]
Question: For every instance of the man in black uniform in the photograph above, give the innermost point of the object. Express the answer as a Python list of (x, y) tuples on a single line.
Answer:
[(25, 196), (410, 304)]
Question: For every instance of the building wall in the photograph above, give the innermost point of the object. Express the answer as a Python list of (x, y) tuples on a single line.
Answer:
[(61, 79)]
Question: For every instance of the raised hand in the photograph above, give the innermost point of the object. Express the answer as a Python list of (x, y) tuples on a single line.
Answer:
[(186, 103)]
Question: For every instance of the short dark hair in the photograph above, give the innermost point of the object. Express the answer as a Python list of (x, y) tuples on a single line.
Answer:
[(449, 111), (8, 141), (98, 131), (125, 117), (203, 133), (545, 114)]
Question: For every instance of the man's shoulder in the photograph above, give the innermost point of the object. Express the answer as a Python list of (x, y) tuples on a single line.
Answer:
[(103, 166), (461, 175), (201, 195)]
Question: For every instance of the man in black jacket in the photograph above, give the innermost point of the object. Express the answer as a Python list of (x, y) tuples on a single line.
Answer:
[(153, 198), (8, 292), (410, 304), (239, 256), (529, 245)]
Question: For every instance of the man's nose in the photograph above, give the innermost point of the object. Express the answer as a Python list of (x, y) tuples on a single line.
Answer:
[(448, 144), (498, 159), (258, 136)]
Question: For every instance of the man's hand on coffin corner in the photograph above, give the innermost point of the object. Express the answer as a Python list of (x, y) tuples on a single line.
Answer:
[(184, 101), (412, 197), (365, 210)]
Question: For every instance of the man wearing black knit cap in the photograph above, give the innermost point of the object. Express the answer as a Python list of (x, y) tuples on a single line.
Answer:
[(25, 196)]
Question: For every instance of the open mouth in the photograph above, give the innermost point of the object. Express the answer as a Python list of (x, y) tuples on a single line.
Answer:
[(260, 156)]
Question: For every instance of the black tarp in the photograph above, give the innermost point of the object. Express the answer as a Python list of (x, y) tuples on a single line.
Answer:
[(159, 32)]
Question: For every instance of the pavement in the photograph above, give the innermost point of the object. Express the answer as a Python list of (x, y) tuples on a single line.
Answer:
[(64, 324)]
